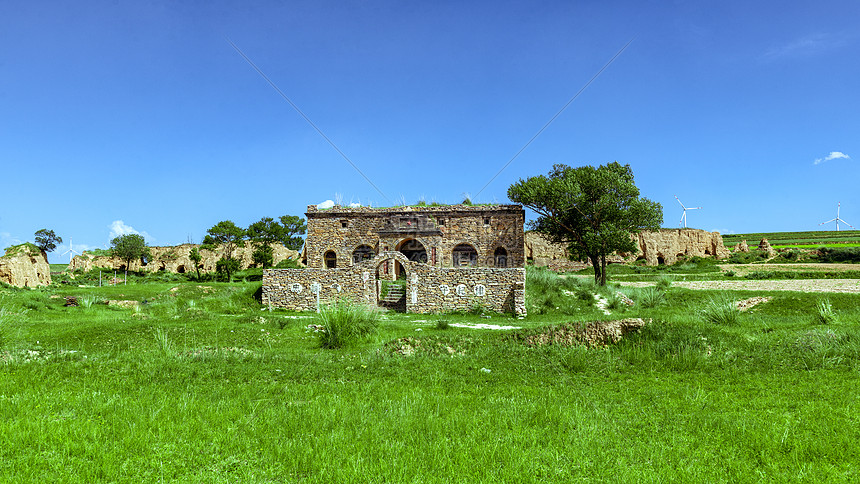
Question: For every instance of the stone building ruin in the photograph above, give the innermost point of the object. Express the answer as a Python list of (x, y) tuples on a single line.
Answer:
[(445, 258)]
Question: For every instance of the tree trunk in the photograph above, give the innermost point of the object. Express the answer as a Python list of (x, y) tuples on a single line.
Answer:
[(595, 262), (603, 269)]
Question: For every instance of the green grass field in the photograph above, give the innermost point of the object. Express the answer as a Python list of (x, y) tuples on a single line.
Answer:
[(813, 239), (199, 383)]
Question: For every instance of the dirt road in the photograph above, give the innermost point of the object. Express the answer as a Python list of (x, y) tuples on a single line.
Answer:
[(799, 285)]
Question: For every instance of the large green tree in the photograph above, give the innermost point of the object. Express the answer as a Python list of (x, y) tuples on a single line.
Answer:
[(47, 240), (294, 228), (129, 247), (594, 210), (229, 236)]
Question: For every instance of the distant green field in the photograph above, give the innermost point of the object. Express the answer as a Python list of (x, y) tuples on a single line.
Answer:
[(844, 238), (58, 267)]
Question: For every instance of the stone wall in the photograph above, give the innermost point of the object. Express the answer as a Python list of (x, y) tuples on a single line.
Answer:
[(176, 259), (429, 289), (25, 266), (489, 229)]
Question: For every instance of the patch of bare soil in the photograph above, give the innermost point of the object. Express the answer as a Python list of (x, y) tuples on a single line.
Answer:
[(594, 334), (750, 303), (743, 269), (430, 346)]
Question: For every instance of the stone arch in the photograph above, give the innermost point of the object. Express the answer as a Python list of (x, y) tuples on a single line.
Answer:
[(413, 249), (464, 254), (391, 266)]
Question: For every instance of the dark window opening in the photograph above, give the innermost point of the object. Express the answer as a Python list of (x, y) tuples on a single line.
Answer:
[(180, 269), (500, 257), (362, 253), (486, 220), (330, 259), (344, 223), (464, 255)]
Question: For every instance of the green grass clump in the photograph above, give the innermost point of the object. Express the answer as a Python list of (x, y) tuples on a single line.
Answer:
[(344, 323), (824, 313), (720, 310), (650, 297)]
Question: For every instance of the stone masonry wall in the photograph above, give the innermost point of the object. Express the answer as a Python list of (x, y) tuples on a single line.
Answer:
[(429, 289), (438, 229)]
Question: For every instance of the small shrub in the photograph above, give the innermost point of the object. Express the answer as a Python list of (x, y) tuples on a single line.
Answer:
[(824, 313), (720, 310), (443, 324), (343, 323), (614, 302), (729, 273)]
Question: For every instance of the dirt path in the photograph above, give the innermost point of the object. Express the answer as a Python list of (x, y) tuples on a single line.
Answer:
[(742, 269), (799, 285)]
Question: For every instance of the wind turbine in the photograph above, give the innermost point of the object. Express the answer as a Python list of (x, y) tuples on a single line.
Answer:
[(684, 216), (71, 251), (837, 219)]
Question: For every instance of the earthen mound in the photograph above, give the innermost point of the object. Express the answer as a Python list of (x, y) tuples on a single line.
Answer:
[(25, 266), (594, 334)]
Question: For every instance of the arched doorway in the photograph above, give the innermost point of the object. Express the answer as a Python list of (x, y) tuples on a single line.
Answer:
[(464, 255), (413, 250), (391, 288)]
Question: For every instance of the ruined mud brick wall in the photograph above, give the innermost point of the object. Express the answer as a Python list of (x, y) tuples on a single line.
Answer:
[(429, 289), (25, 266), (176, 259), (438, 230), (665, 246)]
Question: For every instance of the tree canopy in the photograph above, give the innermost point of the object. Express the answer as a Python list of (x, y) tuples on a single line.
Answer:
[(129, 247), (294, 228), (47, 240), (226, 234), (594, 210)]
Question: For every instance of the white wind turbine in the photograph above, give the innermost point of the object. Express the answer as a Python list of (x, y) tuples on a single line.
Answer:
[(71, 251), (684, 216), (837, 219)]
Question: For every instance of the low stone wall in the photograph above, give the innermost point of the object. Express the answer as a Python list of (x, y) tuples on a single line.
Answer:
[(429, 289)]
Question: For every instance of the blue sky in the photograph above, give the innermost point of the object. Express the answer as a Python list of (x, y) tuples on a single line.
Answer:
[(123, 116)]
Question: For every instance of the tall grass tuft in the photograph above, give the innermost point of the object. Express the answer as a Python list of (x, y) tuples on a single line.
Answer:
[(651, 297), (86, 301), (720, 310), (664, 283), (344, 323), (164, 343), (824, 313)]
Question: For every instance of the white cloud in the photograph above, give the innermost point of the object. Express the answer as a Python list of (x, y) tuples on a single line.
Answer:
[(808, 45), (834, 155), (6, 240), (326, 204), (118, 227), (354, 205)]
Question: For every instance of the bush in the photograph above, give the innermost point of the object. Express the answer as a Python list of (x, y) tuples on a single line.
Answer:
[(836, 254), (720, 310), (344, 323), (288, 264), (664, 283)]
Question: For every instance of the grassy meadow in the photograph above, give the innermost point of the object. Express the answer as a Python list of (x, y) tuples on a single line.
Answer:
[(810, 239), (197, 382)]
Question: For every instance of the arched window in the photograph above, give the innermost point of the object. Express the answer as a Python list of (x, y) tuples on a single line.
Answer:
[(464, 255), (500, 257), (330, 259), (362, 253)]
